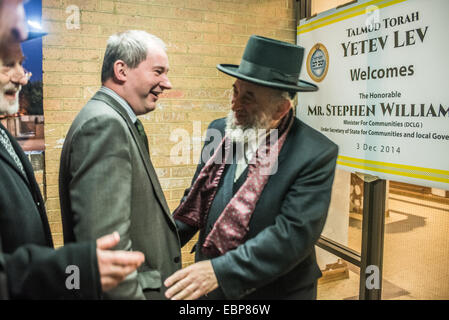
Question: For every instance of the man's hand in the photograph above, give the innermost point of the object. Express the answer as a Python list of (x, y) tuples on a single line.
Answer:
[(114, 266), (192, 282)]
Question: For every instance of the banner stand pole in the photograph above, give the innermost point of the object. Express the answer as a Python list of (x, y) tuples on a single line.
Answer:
[(373, 227)]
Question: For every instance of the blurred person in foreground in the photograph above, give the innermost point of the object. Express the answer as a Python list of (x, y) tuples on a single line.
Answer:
[(30, 268)]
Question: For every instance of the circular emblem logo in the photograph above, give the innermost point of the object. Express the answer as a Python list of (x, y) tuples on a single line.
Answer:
[(318, 62)]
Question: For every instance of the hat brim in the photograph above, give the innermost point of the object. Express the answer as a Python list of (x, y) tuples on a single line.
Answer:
[(301, 86)]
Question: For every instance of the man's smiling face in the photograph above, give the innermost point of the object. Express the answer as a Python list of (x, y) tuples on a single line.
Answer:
[(12, 78), (146, 82)]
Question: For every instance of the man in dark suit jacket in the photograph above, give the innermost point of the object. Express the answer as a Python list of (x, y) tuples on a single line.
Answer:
[(29, 266), (107, 180), (259, 211)]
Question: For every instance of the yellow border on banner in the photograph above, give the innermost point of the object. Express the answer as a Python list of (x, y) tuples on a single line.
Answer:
[(340, 13), (367, 165), (345, 14)]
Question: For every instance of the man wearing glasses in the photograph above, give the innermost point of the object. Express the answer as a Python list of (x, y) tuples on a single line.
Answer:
[(12, 77)]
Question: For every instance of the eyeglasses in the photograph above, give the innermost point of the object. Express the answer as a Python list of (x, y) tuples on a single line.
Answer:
[(16, 74)]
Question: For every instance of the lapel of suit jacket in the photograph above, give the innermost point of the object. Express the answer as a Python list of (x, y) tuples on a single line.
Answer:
[(31, 183), (142, 149), (6, 156)]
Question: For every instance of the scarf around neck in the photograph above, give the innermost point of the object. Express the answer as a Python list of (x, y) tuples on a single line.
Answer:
[(231, 227)]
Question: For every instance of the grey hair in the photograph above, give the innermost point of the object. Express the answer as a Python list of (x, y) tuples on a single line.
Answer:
[(130, 46), (290, 95)]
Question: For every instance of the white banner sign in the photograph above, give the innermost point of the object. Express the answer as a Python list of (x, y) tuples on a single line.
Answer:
[(383, 72)]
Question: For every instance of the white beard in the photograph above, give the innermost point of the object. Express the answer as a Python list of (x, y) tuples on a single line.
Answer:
[(9, 107), (242, 134)]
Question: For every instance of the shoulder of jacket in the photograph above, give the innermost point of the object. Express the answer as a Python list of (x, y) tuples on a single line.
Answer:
[(303, 130), (96, 110), (96, 114), (218, 124)]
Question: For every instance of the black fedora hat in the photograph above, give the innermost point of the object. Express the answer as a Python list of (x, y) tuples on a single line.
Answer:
[(271, 63)]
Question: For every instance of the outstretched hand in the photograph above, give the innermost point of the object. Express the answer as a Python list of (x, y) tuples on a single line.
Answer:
[(192, 282), (114, 266)]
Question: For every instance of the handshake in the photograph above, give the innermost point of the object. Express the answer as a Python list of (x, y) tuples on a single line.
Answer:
[(189, 283)]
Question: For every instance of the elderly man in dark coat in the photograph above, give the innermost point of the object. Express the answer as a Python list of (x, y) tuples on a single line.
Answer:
[(259, 198)]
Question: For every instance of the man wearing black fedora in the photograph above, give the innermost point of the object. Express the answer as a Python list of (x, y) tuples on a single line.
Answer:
[(259, 211)]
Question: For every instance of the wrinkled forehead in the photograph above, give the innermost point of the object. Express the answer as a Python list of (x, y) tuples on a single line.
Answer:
[(254, 88)]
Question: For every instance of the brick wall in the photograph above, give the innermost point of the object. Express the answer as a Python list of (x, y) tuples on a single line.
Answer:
[(199, 34)]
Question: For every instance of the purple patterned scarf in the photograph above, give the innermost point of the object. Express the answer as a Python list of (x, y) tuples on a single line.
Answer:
[(232, 225)]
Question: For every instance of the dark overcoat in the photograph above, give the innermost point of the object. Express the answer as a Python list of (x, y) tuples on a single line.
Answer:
[(277, 259), (34, 270)]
